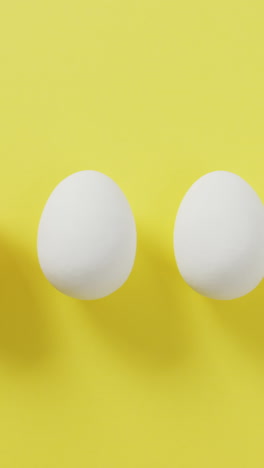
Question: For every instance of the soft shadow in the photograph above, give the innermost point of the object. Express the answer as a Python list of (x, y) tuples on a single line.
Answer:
[(148, 319), (24, 331), (243, 320)]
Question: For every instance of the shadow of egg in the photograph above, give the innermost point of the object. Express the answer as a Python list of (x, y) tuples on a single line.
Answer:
[(24, 332), (148, 320)]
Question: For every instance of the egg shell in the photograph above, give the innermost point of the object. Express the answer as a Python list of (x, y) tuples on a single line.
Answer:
[(219, 236), (87, 236)]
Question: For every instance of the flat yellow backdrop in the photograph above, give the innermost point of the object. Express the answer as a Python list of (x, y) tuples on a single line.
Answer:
[(154, 93)]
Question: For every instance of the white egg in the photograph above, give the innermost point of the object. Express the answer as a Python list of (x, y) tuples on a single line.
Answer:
[(87, 236), (219, 236)]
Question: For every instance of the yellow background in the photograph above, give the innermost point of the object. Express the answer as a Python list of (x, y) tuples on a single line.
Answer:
[(154, 93)]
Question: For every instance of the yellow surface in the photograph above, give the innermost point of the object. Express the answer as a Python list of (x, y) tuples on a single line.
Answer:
[(154, 94)]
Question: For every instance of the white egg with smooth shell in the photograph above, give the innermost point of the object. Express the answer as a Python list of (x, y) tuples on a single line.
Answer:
[(87, 236), (219, 236)]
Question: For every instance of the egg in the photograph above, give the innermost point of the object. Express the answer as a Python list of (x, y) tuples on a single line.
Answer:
[(87, 236), (219, 236)]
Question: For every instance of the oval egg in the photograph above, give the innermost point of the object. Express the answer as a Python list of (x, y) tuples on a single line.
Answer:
[(87, 236), (219, 236)]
